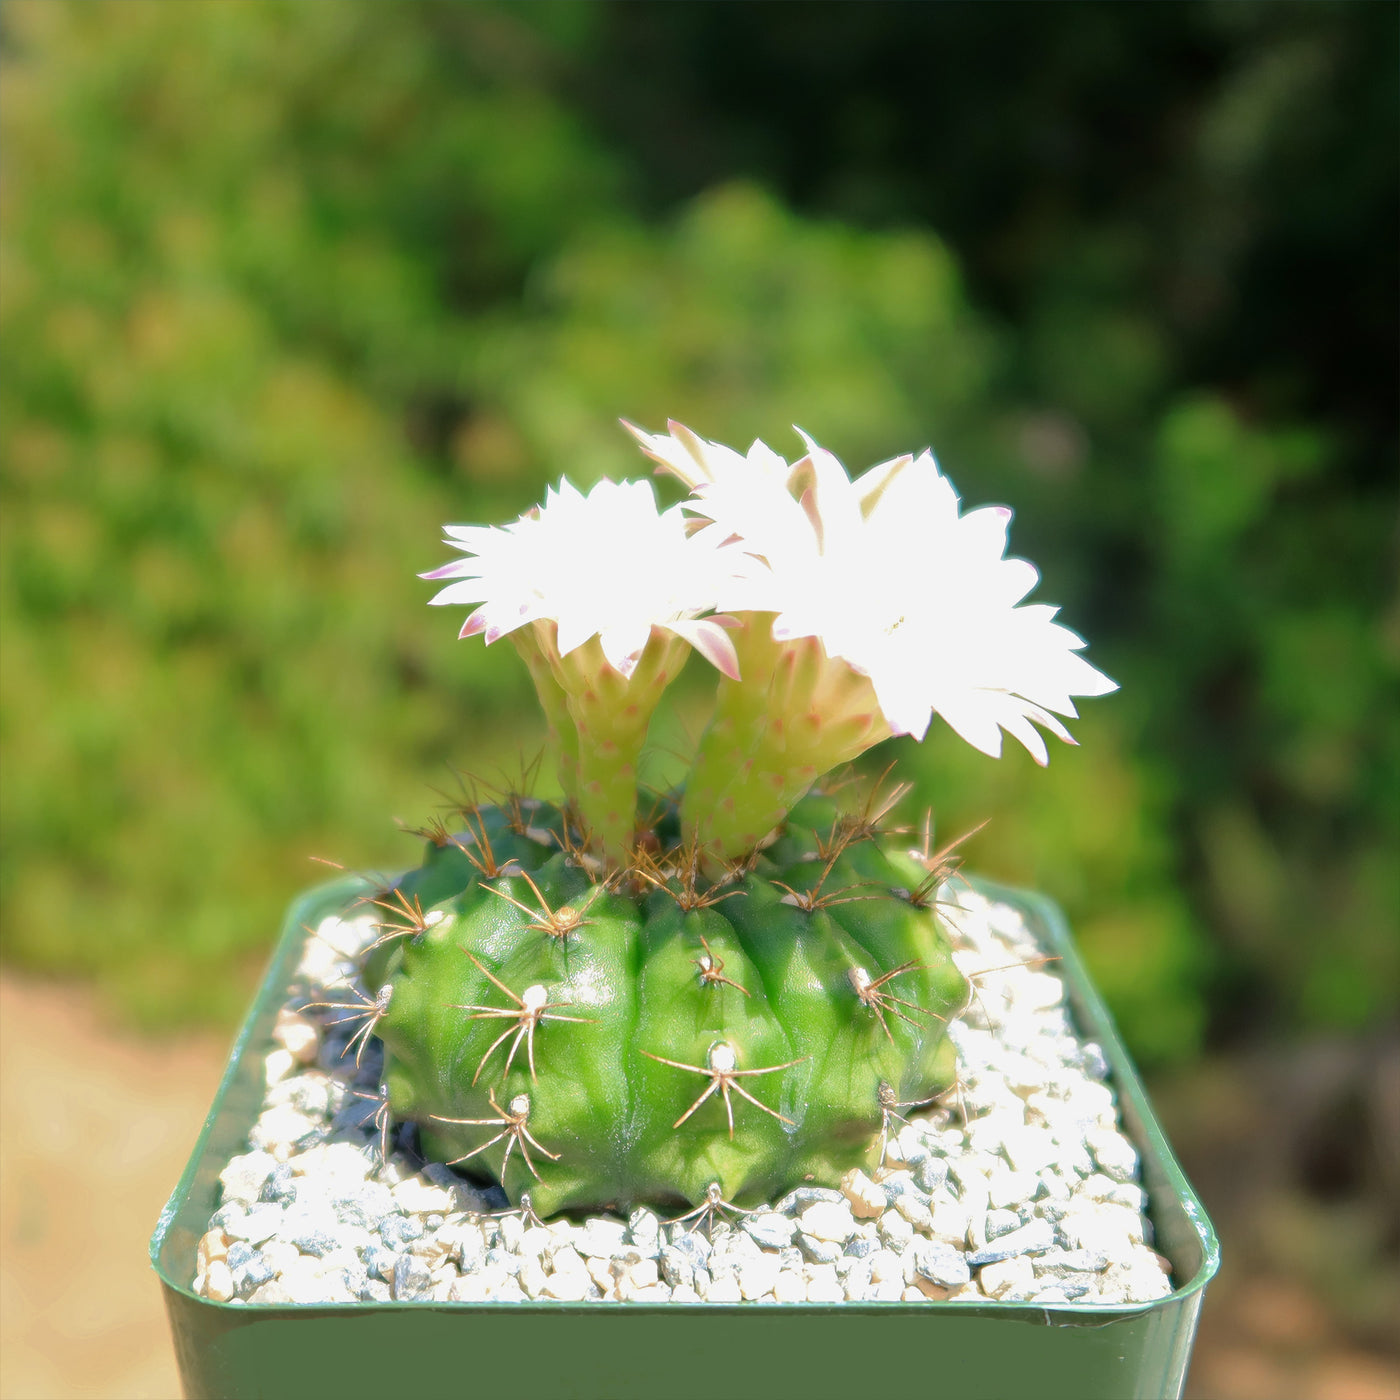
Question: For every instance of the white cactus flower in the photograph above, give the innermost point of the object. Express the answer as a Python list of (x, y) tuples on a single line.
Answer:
[(891, 578), (606, 564)]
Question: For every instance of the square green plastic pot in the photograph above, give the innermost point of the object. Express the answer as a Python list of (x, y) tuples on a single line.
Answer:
[(675, 1351)]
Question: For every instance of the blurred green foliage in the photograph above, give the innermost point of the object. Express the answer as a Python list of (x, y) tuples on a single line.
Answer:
[(284, 286)]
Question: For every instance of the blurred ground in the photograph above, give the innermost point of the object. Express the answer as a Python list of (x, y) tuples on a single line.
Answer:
[(97, 1125), (94, 1132), (1269, 1339), (1295, 1149)]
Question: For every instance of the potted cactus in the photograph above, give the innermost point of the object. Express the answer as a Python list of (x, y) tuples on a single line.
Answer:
[(728, 1005)]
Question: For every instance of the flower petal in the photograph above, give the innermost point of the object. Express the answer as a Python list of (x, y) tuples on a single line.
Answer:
[(467, 591), (474, 625), (709, 638)]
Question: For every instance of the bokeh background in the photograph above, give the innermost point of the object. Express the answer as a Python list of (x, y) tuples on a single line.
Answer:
[(285, 285)]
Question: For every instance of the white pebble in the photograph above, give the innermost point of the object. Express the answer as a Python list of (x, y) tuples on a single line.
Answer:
[(305, 1282), (1011, 1276), (1030, 1149), (533, 1279), (1113, 1152), (724, 1290), (1134, 1282), (770, 1229), (259, 1223), (213, 1245), (1007, 1189), (1102, 1232), (271, 1292), (823, 1285), (914, 1211), (1001, 1222), (567, 1260), (1121, 1193), (867, 1200), (277, 1065), (279, 1254), (828, 1220), (243, 1178), (533, 1242), (298, 1035), (416, 1195), (600, 1238), (949, 1221), (936, 1261), (1039, 991), (757, 1276), (279, 1129), (475, 1288), (896, 1231), (218, 1282), (568, 1285)]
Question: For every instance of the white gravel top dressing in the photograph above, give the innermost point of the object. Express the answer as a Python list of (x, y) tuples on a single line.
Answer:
[(1018, 1187)]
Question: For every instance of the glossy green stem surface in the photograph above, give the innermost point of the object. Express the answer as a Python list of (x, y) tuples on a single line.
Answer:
[(673, 1047)]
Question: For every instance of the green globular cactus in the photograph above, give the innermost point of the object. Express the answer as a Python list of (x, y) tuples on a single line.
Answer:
[(645, 1038), (737, 994)]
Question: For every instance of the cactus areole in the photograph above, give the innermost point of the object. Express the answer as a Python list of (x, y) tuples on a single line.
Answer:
[(720, 993)]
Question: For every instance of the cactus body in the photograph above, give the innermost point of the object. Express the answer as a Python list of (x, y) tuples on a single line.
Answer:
[(596, 1041)]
